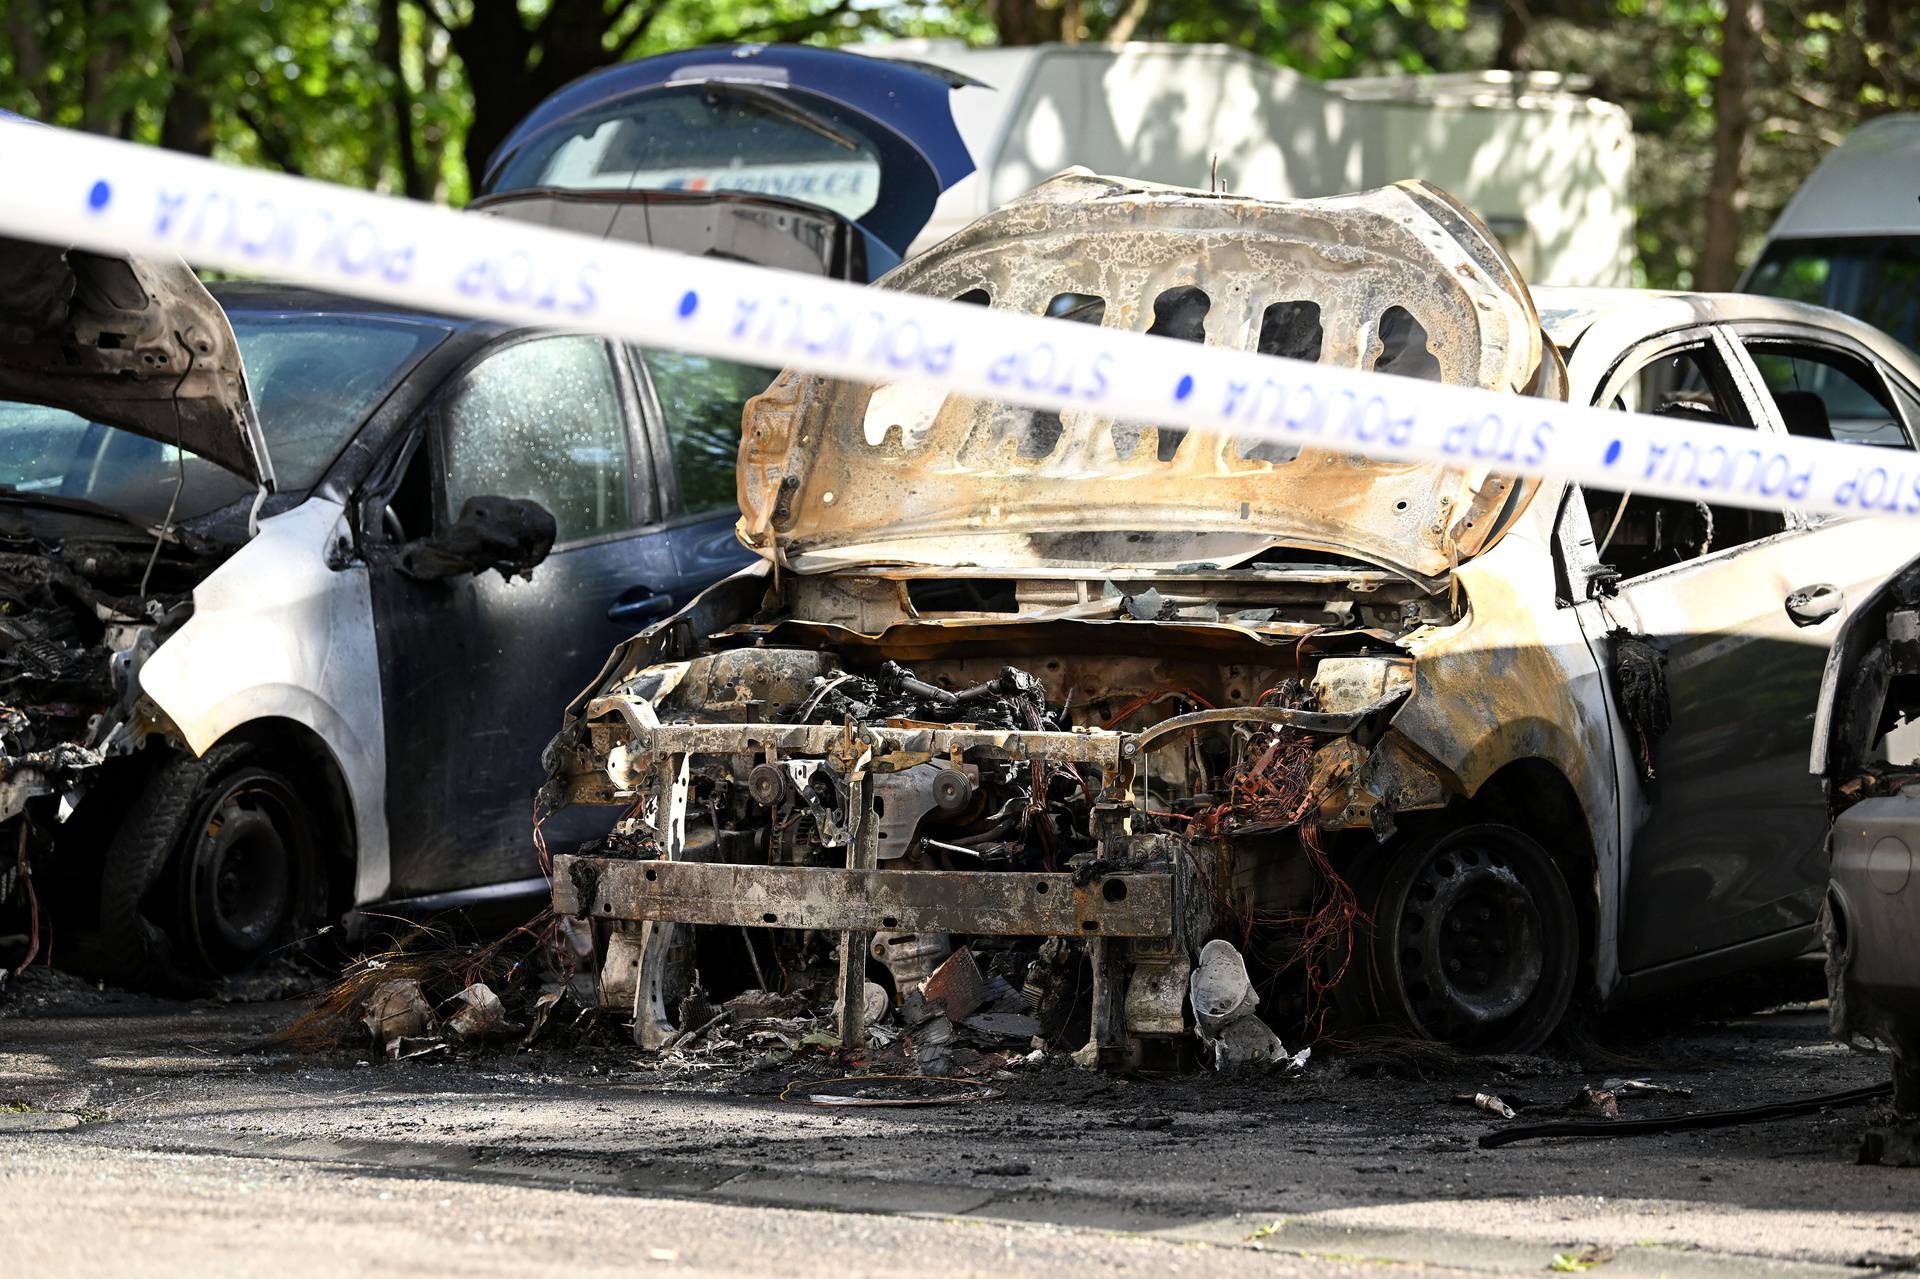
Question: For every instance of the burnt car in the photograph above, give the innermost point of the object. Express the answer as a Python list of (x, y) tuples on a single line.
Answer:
[(1866, 747), (255, 673), (1436, 748), (247, 539)]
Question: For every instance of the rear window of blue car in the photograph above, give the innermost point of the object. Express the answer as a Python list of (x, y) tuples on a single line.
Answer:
[(705, 139)]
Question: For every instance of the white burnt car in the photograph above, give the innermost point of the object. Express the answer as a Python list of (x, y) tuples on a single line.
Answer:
[(1436, 748)]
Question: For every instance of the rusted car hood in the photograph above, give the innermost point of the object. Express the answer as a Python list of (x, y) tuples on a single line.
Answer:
[(838, 474), (134, 343)]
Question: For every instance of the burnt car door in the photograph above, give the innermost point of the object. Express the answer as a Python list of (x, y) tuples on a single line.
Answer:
[(476, 668), (1726, 825)]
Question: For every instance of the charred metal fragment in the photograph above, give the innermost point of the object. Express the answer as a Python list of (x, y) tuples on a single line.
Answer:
[(981, 903), (509, 535), (1640, 683)]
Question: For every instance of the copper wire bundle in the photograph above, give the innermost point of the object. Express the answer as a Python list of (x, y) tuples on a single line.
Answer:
[(1272, 790)]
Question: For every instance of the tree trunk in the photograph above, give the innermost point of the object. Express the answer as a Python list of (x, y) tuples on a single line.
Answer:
[(186, 123), (492, 47), (437, 80), (106, 57), (26, 19), (400, 98), (1516, 23), (1732, 127), (1027, 21)]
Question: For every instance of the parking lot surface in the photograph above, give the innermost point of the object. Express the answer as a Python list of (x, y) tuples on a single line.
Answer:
[(179, 1133)]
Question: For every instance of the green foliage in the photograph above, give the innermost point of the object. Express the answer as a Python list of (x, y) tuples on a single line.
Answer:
[(289, 84), (1335, 38), (324, 88)]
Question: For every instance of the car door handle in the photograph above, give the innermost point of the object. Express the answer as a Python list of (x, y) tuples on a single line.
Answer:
[(640, 604), (1811, 605)]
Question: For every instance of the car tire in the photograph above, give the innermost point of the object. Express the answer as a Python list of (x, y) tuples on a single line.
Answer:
[(1475, 941), (212, 874)]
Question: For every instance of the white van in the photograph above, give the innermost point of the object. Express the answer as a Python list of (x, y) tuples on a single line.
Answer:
[(1547, 167), (1850, 237)]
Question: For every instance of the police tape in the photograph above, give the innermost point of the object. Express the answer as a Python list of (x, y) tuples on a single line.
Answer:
[(119, 197)]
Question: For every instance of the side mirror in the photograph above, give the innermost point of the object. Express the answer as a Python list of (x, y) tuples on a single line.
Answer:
[(509, 535)]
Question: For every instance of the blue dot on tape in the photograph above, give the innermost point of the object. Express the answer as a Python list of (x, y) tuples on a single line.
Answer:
[(1184, 387), (689, 303), (1613, 453), (99, 194)]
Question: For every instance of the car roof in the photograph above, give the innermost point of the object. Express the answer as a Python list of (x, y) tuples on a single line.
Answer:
[(1569, 314), (1863, 187), (268, 295)]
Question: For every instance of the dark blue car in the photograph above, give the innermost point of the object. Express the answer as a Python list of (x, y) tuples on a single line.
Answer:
[(813, 159)]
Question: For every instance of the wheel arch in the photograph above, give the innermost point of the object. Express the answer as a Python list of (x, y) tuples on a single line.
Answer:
[(352, 750), (279, 634), (1535, 797), (309, 762)]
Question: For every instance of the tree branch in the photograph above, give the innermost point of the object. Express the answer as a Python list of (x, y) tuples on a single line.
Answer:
[(797, 29), (631, 41), (25, 21), (1801, 129), (272, 145), (1775, 55), (432, 10), (1128, 22)]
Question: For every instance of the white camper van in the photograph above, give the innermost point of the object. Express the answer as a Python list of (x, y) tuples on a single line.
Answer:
[(1547, 168), (1850, 237)]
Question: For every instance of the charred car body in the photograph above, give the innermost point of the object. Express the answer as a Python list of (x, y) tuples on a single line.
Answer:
[(1399, 731), (1867, 747)]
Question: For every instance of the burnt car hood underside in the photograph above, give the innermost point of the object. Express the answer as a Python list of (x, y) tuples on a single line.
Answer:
[(838, 474), (135, 343)]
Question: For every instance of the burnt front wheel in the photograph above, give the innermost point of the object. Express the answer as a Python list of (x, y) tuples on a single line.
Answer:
[(246, 871), (212, 874), (1475, 940)]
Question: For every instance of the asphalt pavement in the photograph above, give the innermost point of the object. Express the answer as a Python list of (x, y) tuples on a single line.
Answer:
[(177, 1137)]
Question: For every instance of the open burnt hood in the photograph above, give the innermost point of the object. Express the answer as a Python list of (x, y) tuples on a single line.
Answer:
[(132, 343), (837, 474)]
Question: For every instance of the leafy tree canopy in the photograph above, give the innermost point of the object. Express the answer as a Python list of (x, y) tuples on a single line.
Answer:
[(412, 95)]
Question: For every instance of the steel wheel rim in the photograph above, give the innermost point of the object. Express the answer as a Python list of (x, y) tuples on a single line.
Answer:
[(1482, 951), (243, 871)]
